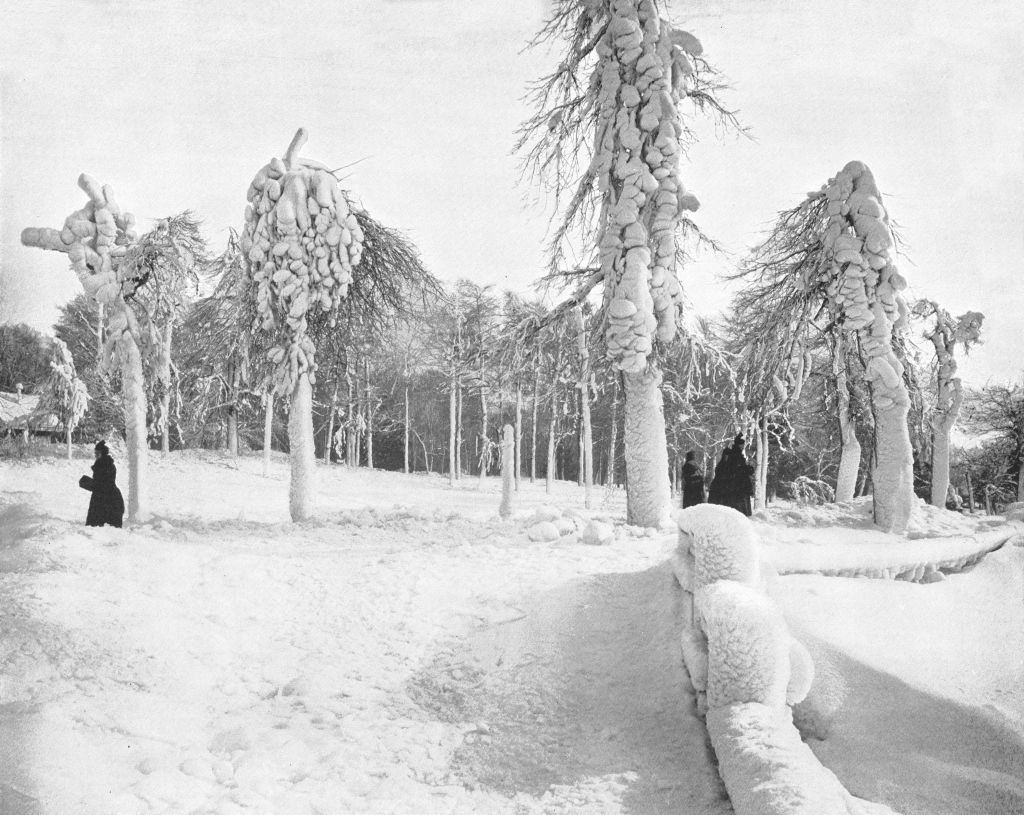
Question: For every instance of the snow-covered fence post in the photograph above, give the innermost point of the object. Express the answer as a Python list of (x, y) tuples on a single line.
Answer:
[(944, 336), (865, 286), (96, 238), (301, 241), (508, 470)]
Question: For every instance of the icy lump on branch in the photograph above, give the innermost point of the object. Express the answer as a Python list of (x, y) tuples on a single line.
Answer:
[(95, 238), (302, 241)]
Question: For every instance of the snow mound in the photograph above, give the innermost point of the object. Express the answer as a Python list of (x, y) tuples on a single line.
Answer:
[(544, 532), (597, 533)]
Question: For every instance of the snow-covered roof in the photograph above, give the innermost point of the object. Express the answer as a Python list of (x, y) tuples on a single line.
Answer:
[(20, 411)]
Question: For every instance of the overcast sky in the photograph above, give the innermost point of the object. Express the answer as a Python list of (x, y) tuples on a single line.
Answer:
[(178, 104)]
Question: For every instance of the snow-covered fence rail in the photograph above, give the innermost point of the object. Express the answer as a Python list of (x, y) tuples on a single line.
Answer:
[(747, 670)]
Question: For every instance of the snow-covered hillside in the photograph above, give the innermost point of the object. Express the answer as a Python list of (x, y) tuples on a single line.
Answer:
[(409, 652)]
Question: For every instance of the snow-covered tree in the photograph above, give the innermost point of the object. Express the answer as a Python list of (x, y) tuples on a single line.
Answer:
[(221, 362), (302, 241), (24, 357), (701, 394), (614, 100), (518, 354), (996, 413), (161, 273), (865, 288), (96, 239), (828, 265), (945, 333), (67, 395)]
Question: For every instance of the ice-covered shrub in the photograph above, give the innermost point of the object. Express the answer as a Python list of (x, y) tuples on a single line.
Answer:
[(805, 490)]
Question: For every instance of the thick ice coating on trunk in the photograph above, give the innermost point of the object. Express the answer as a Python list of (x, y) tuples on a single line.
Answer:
[(95, 238), (301, 241), (865, 289), (944, 335), (643, 68), (648, 494)]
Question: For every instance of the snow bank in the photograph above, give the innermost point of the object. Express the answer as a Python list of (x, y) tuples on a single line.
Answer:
[(747, 670), (840, 540)]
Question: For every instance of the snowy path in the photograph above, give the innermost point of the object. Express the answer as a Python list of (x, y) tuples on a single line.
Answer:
[(377, 661)]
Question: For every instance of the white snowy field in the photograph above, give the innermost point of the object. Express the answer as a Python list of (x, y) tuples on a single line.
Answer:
[(409, 652)]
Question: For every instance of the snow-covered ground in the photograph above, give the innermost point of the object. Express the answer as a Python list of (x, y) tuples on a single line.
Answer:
[(409, 652)]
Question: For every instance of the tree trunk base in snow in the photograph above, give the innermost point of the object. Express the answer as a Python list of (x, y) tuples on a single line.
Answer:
[(134, 393), (648, 499), (303, 457), (892, 478)]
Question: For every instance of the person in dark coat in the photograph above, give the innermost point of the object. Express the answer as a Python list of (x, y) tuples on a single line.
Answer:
[(717, 493), (693, 482), (106, 505), (740, 479)]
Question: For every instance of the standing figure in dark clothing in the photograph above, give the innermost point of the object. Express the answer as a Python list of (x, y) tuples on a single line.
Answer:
[(693, 482), (740, 480), (106, 505), (718, 492)]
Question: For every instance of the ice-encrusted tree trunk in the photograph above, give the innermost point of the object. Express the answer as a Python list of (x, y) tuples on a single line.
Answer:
[(867, 287), (583, 384), (268, 427), (946, 332), (849, 455), (96, 238), (508, 477), (302, 241), (517, 471), (629, 200), (453, 386), (67, 395), (613, 435)]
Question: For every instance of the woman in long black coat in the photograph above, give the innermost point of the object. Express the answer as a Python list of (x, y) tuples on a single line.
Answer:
[(718, 492), (693, 482), (106, 505), (740, 479)]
